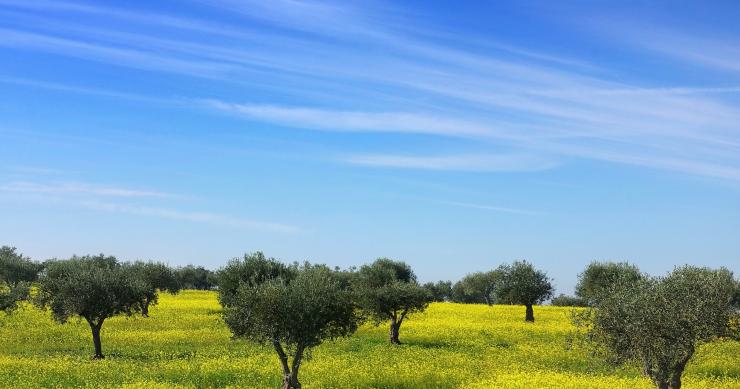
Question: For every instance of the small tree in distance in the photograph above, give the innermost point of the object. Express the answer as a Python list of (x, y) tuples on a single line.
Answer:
[(15, 268), (521, 283), (460, 295), (16, 273), (94, 288), (598, 277), (387, 290), (158, 277), (480, 287), (439, 291), (199, 278), (295, 310), (563, 300), (658, 322)]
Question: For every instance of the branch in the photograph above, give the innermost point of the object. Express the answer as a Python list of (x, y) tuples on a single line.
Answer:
[(297, 358), (403, 316), (282, 356)]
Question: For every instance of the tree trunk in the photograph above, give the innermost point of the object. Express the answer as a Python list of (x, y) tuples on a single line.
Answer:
[(678, 370), (661, 384), (676, 381), (145, 307), (95, 327), (530, 313), (290, 373), (290, 381), (393, 332)]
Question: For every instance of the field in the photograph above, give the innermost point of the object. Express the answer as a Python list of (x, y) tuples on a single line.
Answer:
[(184, 344)]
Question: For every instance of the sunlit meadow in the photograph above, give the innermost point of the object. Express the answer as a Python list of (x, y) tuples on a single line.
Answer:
[(184, 344)]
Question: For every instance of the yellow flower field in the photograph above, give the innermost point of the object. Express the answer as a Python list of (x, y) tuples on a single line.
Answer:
[(184, 344)]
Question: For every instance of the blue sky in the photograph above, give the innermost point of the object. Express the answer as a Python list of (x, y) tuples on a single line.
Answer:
[(453, 137)]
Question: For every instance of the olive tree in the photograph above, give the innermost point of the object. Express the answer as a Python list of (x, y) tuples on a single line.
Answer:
[(480, 287), (290, 308), (658, 322), (199, 278), (439, 291), (16, 273), (93, 288), (522, 284), (11, 296), (563, 300), (252, 270), (460, 295), (15, 268), (598, 277), (157, 277), (388, 290)]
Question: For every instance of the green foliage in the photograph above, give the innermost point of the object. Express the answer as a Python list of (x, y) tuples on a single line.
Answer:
[(158, 277), (290, 308), (459, 295), (388, 290), (11, 296), (385, 271), (736, 296), (599, 277), (568, 301), (478, 287), (521, 283), (16, 273), (254, 269), (91, 287), (659, 322), (299, 312), (439, 291), (15, 268), (199, 278)]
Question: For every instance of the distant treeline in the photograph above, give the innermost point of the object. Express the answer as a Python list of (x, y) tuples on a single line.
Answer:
[(192, 277), (490, 287)]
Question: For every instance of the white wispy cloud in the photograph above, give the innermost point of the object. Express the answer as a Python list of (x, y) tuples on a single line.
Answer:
[(334, 120), (36, 170), (490, 163), (189, 216), (79, 188), (127, 200), (91, 91), (491, 208), (387, 73), (139, 59)]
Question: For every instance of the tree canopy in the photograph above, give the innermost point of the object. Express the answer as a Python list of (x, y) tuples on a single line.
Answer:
[(598, 278), (290, 308), (196, 277), (568, 301), (15, 268), (388, 290), (252, 270), (16, 273), (439, 291), (521, 283), (158, 277), (658, 322), (479, 287), (93, 288)]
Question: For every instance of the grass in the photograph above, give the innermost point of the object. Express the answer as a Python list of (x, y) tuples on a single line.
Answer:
[(184, 344)]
